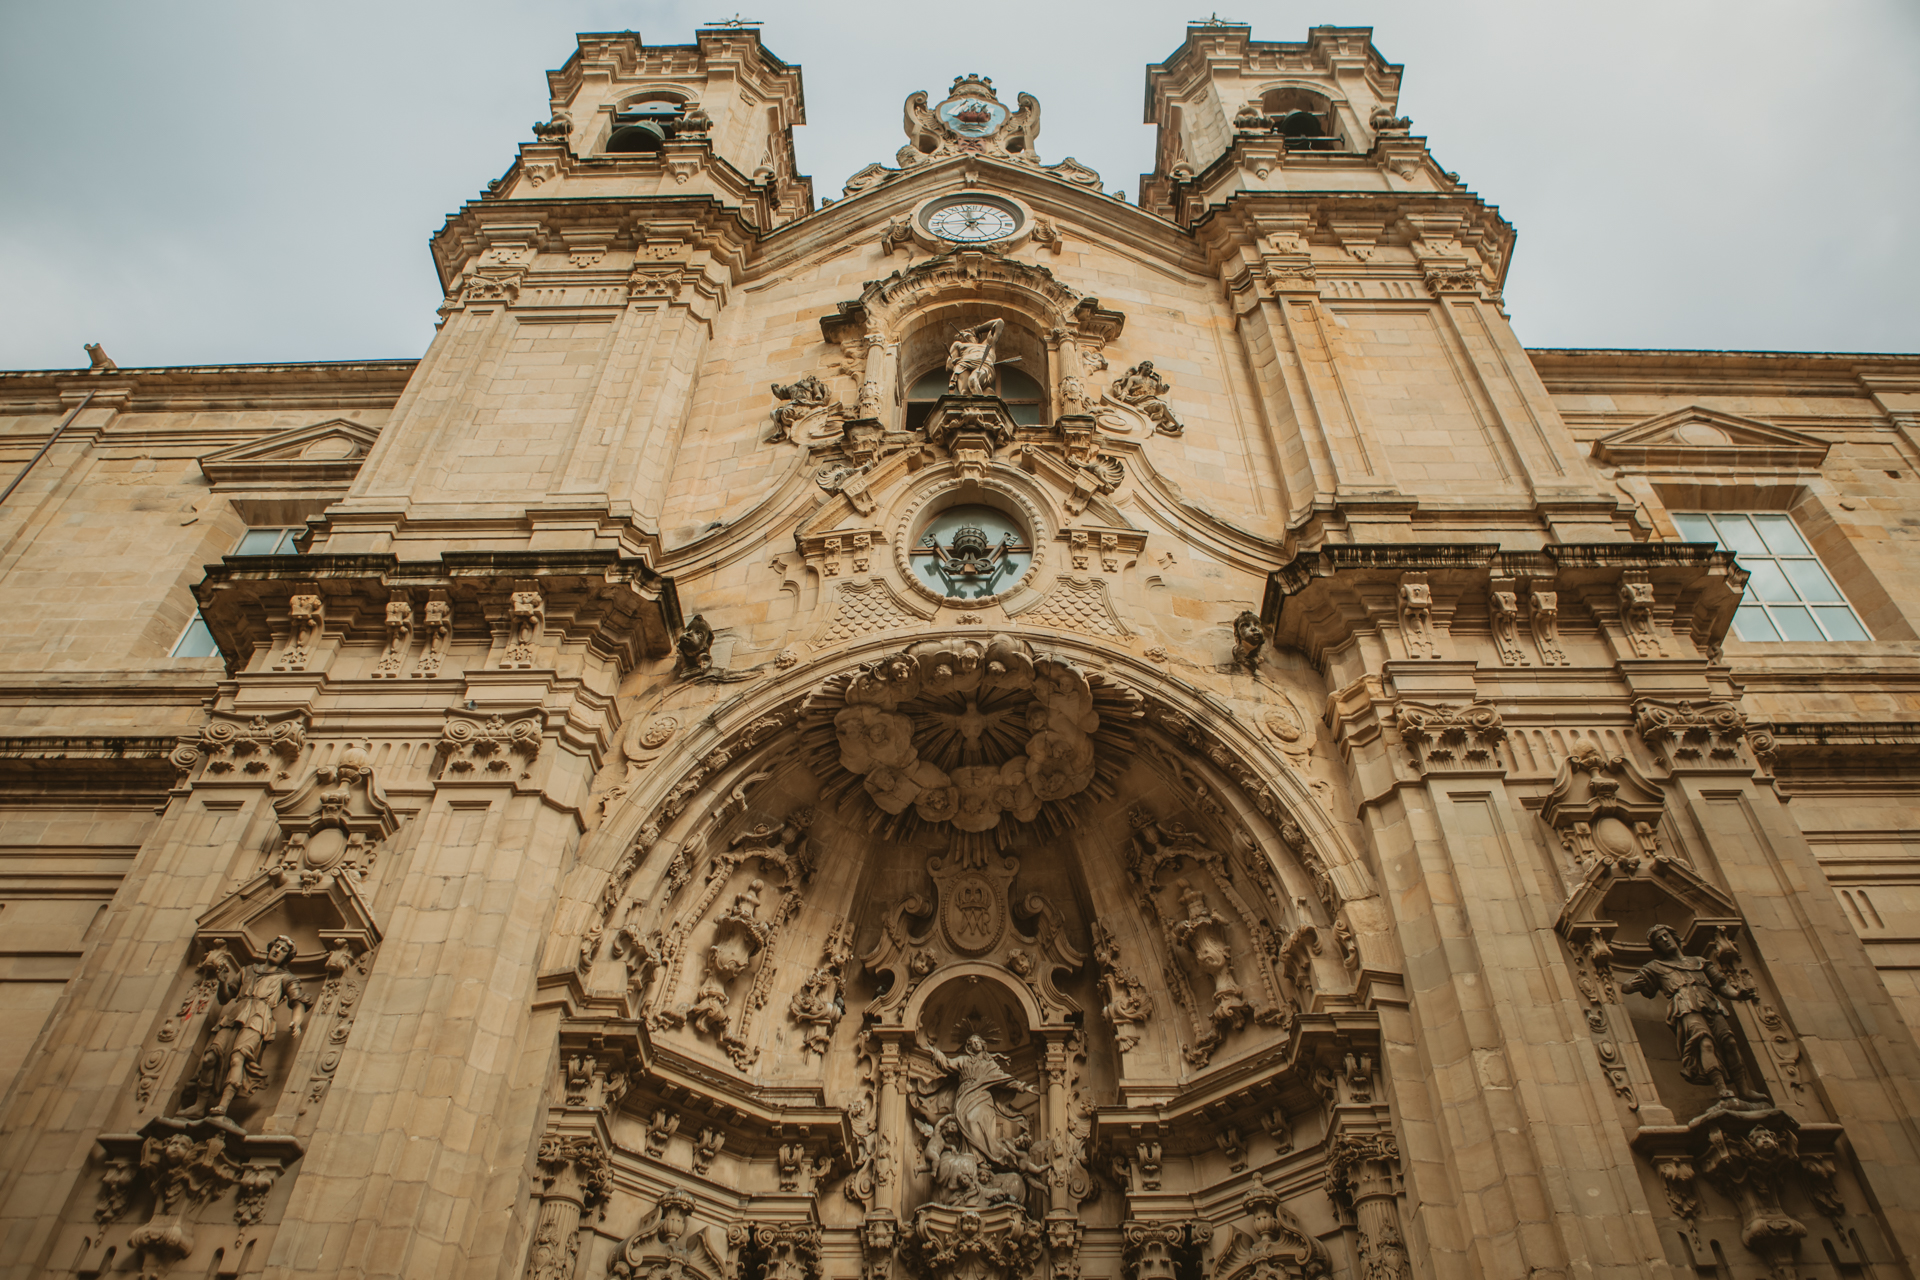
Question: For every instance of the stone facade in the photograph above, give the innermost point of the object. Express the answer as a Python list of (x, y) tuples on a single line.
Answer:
[(976, 731)]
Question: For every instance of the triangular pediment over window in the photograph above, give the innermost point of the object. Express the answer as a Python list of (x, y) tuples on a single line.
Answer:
[(1698, 437), (327, 452)]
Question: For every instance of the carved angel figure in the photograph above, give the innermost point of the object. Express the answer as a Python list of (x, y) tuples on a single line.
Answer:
[(694, 645), (800, 397), (1146, 391), (1248, 639), (249, 998)]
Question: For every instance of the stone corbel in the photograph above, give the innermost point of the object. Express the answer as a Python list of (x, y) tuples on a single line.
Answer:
[(1417, 628), (306, 609), (399, 636), (1503, 612), (1543, 614), (438, 630), (1636, 614), (527, 618)]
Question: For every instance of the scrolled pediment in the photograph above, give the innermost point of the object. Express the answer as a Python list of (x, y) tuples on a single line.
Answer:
[(1701, 437), (327, 452)]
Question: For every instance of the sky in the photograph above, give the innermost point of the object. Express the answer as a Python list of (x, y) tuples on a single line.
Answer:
[(199, 182)]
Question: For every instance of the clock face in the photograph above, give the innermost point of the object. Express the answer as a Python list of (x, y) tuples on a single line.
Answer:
[(972, 221)]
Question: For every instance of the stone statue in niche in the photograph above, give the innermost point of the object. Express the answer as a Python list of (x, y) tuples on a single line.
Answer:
[(1203, 931), (973, 367), (800, 397), (1702, 1026), (976, 1145), (250, 997), (1146, 391)]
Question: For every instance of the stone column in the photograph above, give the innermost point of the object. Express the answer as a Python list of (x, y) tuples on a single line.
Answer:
[(574, 1173), (1362, 1173)]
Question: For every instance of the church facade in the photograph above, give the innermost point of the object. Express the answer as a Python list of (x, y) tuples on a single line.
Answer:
[(972, 730)]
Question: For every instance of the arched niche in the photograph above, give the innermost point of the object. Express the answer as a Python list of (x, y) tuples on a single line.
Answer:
[(1022, 348), (1240, 819)]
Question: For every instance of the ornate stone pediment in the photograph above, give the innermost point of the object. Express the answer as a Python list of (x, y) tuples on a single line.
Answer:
[(327, 452), (1699, 437)]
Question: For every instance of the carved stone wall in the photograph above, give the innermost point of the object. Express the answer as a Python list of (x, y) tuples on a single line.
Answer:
[(801, 743)]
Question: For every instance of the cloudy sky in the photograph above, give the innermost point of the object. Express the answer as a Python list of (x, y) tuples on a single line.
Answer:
[(201, 182)]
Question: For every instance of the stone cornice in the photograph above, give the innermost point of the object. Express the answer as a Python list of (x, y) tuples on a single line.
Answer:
[(619, 605), (358, 384), (627, 222), (1320, 599)]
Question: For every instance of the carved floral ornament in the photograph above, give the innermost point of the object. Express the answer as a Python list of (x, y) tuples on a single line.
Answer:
[(246, 746), (969, 732)]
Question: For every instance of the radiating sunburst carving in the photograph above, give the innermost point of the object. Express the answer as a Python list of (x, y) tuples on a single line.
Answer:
[(968, 732)]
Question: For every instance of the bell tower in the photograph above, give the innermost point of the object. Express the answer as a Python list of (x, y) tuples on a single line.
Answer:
[(627, 118), (1238, 114)]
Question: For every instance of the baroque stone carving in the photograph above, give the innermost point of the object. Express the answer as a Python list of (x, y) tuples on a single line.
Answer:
[(1689, 732), (973, 367), (798, 398), (665, 1247), (1603, 809), (741, 934), (1543, 613), (438, 626), (487, 748), (965, 732), (695, 646), (1362, 1176), (1636, 614), (1273, 1244), (1127, 1005), (230, 744), (819, 1004), (1446, 738), (1416, 616), (1146, 391), (1503, 610), (250, 998), (1198, 935), (1704, 1034), (527, 609), (399, 635), (305, 611), (1249, 637)]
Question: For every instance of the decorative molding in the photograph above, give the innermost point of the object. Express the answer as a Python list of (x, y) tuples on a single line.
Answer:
[(1697, 437)]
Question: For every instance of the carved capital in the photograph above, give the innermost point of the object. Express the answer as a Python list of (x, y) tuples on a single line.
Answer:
[(494, 748), (1451, 739), (1689, 732)]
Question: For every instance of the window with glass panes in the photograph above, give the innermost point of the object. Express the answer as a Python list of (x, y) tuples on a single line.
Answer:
[(196, 641), (268, 542), (1790, 594)]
